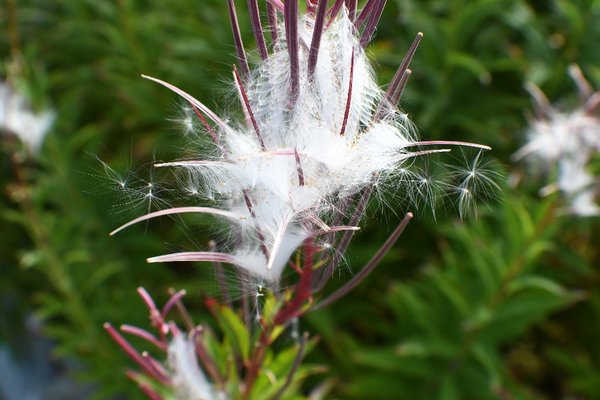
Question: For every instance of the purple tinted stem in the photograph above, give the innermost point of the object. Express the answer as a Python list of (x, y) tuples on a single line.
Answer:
[(277, 4), (403, 66), (334, 11), (259, 234), (210, 131), (541, 104), (131, 352), (248, 108), (448, 143), (372, 24), (220, 274), (291, 24), (139, 379), (585, 89), (133, 330), (207, 111), (346, 237), (316, 37), (245, 304), (367, 269), (172, 301), (257, 29), (358, 214), (188, 256), (272, 18), (155, 364), (339, 215), (351, 6), (148, 300), (318, 281), (176, 210), (299, 168), (349, 97), (237, 38), (295, 366), (208, 363), (185, 315), (364, 13), (395, 97), (152, 395), (592, 105)]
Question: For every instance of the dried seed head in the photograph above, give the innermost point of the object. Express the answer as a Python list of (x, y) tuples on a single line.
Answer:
[(566, 143), (317, 130)]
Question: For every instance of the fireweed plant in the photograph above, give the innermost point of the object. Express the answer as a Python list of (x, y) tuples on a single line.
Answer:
[(292, 180), (565, 144)]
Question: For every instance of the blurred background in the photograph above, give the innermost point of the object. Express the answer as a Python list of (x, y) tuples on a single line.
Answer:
[(502, 306)]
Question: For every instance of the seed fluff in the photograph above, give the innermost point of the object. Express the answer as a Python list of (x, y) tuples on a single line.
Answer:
[(316, 131)]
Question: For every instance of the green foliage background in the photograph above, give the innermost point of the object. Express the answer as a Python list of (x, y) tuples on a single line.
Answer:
[(505, 306)]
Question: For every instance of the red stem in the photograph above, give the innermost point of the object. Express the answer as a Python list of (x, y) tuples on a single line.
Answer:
[(237, 38)]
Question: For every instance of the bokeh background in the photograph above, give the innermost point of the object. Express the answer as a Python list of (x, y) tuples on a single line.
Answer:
[(502, 306)]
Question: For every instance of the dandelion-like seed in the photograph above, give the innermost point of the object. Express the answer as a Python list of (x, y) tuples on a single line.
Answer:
[(317, 133), (17, 118), (566, 143), (476, 182)]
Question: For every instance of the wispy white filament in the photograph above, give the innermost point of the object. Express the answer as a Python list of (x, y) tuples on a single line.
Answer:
[(17, 117), (567, 142), (188, 380), (296, 154)]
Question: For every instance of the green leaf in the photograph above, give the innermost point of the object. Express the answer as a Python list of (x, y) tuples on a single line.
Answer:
[(528, 282), (470, 64), (449, 391), (234, 330)]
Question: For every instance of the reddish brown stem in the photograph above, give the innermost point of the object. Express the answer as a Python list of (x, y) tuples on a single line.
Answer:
[(137, 357), (349, 97), (303, 290), (372, 24), (299, 168), (316, 37), (246, 104), (369, 267), (237, 38), (291, 29), (257, 359), (294, 368), (257, 29), (208, 128), (272, 18), (208, 363)]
